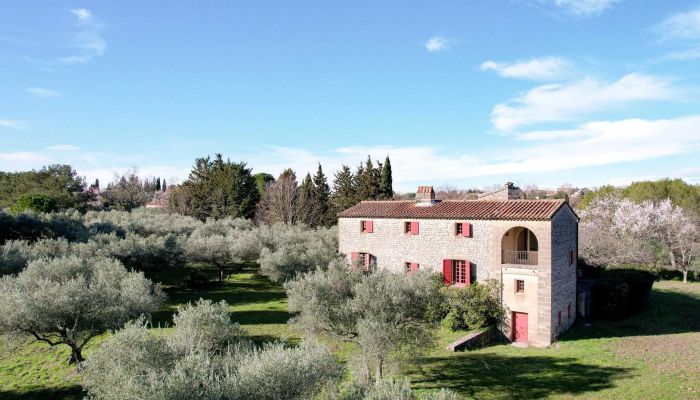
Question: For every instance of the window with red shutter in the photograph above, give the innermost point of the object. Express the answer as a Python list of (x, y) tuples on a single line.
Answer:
[(370, 226), (414, 266), (414, 228), (466, 229), (407, 227), (447, 272), (461, 273)]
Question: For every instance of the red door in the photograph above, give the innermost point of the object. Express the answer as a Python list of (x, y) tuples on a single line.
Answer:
[(520, 327)]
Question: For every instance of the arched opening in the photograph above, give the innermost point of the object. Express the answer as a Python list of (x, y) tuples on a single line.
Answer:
[(519, 246)]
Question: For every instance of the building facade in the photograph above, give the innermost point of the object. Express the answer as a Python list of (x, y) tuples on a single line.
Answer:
[(529, 246)]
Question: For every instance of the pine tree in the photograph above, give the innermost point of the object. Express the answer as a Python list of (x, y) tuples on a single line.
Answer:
[(306, 206), (326, 216), (344, 195), (163, 186), (158, 184), (386, 189)]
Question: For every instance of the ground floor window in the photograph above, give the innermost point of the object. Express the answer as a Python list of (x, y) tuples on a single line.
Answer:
[(458, 272), (519, 286), (363, 260), (410, 267), (459, 268)]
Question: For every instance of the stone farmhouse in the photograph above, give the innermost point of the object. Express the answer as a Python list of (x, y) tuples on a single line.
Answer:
[(530, 246)]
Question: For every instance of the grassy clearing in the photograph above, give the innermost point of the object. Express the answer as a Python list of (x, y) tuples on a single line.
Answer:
[(655, 354)]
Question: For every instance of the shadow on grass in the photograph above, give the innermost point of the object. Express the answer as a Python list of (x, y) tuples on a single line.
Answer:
[(668, 312), (239, 289), (526, 377), (71, 393)]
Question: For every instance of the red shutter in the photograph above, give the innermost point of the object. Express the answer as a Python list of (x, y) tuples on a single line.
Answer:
[(414, 266), (414, 228), (368, 260), (447, 272), (370, 227), (466, 229), (353, 260)]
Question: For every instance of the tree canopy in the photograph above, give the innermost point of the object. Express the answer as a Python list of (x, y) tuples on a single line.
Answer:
[(59, 182)]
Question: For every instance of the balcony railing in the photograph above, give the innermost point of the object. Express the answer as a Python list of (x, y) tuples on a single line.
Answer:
[(518, 257)]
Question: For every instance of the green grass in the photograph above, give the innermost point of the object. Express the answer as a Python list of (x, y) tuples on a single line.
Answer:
[(654, 354)]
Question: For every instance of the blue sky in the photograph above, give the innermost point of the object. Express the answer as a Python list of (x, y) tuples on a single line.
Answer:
[(543, 92)]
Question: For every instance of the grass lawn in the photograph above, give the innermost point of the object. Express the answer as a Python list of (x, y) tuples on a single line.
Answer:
[(655, 354)]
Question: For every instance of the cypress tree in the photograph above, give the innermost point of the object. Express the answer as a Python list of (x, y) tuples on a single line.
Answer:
[(307, 203), (323, 196), (163, 185), (158, 184), (344, 195), (367, 181), (386, 188)]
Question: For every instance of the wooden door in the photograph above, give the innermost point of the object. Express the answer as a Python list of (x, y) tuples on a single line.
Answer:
[(520, 327)]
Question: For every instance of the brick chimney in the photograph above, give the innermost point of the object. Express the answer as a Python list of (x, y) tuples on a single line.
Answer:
[(425, 196)]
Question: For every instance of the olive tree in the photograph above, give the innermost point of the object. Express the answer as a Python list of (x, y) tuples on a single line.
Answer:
[(383, 312), (70, 300), (288, 250), (205, 357)]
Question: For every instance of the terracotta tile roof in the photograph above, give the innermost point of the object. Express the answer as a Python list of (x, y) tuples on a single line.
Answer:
[(539, 210), (425, 189)]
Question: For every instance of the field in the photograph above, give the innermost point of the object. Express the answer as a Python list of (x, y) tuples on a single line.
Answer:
[(654, 354)]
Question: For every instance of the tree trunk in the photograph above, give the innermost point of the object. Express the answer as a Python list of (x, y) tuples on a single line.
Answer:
[(685, 276), (378, 371), (221, 273), (76, 356)]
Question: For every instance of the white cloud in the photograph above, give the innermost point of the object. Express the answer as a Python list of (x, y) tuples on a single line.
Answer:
[(63, 147), (568, 102), (683, 26), (88, 40), (591, 144), (83, 14), (437, 43), (21, 157), (543, 68), (42, 93), (584, 8), (12, 124)]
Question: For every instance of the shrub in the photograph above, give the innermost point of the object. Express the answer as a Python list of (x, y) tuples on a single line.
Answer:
[(34, 202), (204, 358), (619, 293), (474, 307)]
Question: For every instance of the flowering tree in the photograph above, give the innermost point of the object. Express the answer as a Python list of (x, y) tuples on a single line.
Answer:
[(620, 231)]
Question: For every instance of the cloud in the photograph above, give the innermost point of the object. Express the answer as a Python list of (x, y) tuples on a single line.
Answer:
[(84, 15), (683, 26), (42, 93), (21, 157), (568, 102), (682, 30), (438, 43), (591, 144), (543, 68), (88, 40), (12, 124), (583, 8), (63, 147)]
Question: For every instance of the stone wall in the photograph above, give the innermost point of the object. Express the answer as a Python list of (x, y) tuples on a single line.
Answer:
[(564, 240), (434, 243)]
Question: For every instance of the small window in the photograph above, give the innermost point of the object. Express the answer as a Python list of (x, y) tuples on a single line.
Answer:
[(459, 229), (407, 227), (519, 286), (366, 227), (410, 267)]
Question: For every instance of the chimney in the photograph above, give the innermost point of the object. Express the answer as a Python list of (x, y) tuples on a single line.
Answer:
[(425, 196)]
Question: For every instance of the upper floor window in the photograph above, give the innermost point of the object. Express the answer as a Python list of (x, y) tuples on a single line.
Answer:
[(366, 226), (410, 267), (463, 229), (410, 227), (519, 286)]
